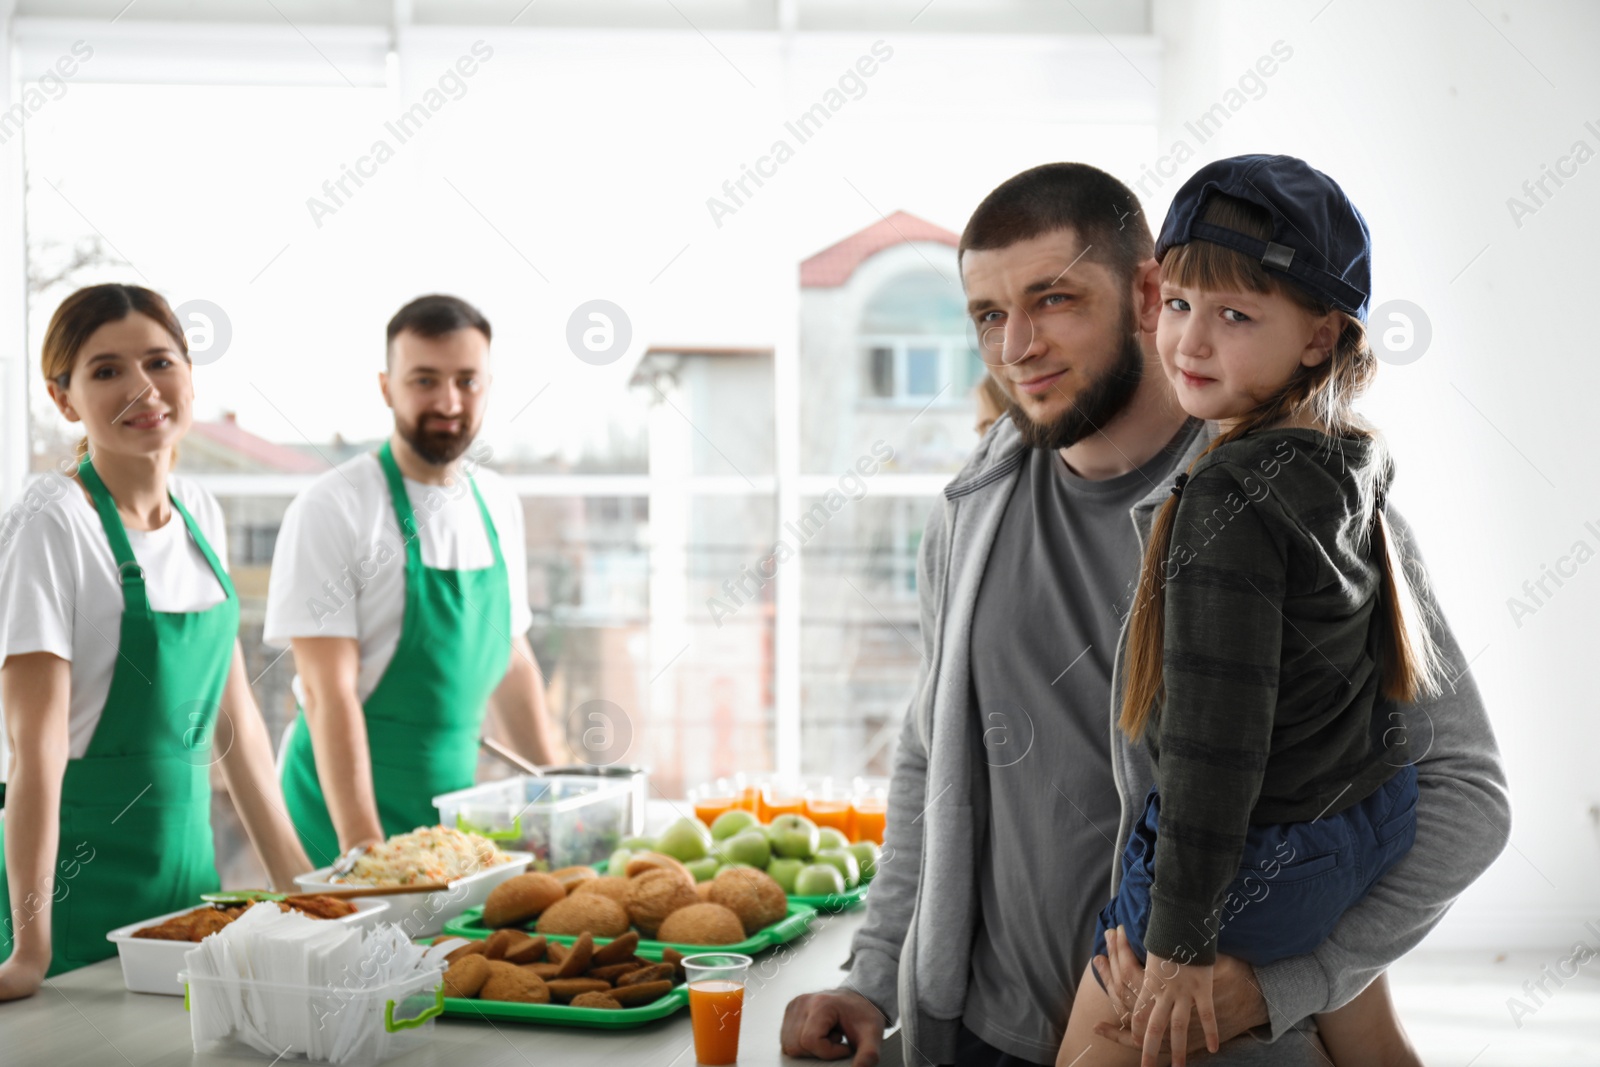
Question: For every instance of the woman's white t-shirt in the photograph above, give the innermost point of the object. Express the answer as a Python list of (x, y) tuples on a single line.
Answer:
[(60, 593), (339, 566)]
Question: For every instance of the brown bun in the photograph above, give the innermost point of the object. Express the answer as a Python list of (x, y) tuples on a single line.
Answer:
[(655, 895), (614, 887), (572, 877), (650, 861), (516, 900), (755, 896), (702, 924), (584, 913)]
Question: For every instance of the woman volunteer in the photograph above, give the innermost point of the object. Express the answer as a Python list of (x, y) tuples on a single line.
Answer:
[(121, 676)]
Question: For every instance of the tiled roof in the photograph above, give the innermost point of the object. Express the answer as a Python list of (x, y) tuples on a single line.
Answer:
[(834, 265), (260, 453)]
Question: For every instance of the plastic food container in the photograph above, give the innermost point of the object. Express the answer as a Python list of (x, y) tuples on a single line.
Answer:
[(424, 914), (564, 821), (151, 966), (637, 777), (373, 1024)]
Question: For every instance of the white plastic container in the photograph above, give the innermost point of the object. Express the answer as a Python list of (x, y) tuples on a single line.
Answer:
[(424, 914), (376, 1024), (152, 966), (563, 821)]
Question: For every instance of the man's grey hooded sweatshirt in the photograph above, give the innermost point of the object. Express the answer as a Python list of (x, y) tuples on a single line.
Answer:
[(912, 955)]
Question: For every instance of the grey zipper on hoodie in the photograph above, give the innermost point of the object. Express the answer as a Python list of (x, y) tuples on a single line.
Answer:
[(911, 957)]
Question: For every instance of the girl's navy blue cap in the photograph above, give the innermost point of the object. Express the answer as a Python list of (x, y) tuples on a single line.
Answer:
[(1319, 240)]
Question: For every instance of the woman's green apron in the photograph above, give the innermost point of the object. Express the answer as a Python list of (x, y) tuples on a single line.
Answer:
[(136, 807), (426, 714)]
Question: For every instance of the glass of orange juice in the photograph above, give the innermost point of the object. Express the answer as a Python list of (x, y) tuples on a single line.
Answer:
[(748, 793), (712, 799), (781, 798), (870, 806), (716, 1001), (829, 805)]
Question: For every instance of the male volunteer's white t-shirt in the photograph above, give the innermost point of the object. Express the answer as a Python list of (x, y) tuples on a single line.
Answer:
[(339, 566), (59, 590)]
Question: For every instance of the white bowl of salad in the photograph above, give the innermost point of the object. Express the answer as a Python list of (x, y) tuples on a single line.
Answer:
[(470, 865)]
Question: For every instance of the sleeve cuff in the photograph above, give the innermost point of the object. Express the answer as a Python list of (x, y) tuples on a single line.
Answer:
[(876, 976), (1179, 932), (1293, 989)]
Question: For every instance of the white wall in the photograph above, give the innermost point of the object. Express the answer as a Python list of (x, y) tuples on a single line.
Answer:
[(1432, 115)]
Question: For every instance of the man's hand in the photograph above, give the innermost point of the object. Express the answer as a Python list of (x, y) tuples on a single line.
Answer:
[(831, 1024), (1173, 992), (1239, 1006)]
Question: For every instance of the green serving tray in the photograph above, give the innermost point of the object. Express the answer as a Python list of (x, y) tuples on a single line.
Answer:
[(567, 1015), (469, 924), (829, 903), (833, 902)]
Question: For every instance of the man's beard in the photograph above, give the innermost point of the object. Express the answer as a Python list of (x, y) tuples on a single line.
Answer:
[(438, 449), (1097, 404)]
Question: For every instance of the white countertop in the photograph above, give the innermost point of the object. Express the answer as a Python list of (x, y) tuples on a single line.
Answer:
[(86, 1018)]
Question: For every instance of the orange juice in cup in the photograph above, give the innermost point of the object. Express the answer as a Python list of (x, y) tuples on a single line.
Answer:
[(870, 816), (826, 805), (749, 800), (870, 804), (712, 799), (716, 1002), (778, 798), (834, 813)]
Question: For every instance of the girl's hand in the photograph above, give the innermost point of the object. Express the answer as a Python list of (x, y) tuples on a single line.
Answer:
[(21, 976), (1172, 991)]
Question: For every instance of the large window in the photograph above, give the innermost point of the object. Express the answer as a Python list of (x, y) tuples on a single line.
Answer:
[(679, 566)]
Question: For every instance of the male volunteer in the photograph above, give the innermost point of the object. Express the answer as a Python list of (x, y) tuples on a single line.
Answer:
[(400, 581), (1013, 792)]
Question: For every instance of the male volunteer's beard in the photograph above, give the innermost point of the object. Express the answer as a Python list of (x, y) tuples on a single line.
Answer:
[(437, 448), (1097, 404)]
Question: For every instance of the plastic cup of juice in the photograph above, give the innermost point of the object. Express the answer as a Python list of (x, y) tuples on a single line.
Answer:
[(716, 1001), (712, 799)]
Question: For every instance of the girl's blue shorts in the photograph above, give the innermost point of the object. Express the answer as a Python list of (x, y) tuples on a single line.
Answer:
[(1295, 880)]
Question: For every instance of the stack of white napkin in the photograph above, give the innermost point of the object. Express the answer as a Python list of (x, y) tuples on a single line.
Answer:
[(291, 986)]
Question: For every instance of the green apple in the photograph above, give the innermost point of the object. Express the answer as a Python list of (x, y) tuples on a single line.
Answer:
[(618, 863), (793, 836), (732, 822), (704, 869), (818, 880), (687, 839), (866, 854), (828, 837), (783, 871), (750, 847), (845, 861), (638, 844)]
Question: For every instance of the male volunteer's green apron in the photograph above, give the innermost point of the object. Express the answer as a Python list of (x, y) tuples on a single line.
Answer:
[(136, 807), (426, 714)]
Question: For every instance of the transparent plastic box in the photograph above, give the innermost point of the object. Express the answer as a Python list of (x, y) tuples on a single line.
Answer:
[(152, 966), (355, 1027), (562, 820)]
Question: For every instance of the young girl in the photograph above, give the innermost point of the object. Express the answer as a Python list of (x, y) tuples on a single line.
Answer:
[(1272, 617), (120, 671)]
